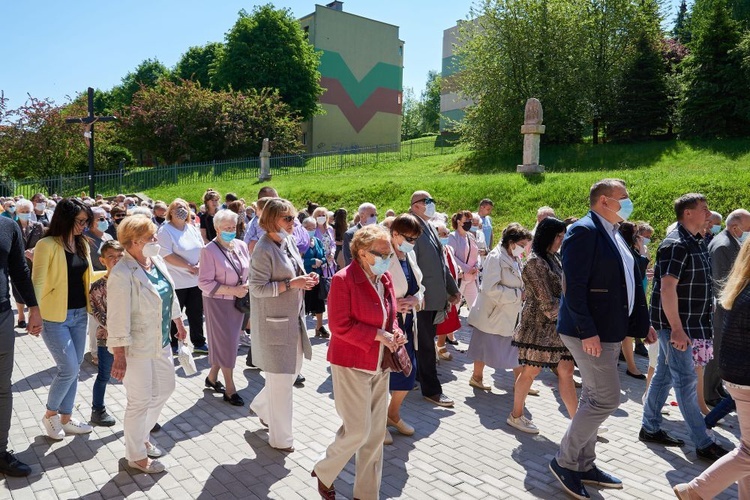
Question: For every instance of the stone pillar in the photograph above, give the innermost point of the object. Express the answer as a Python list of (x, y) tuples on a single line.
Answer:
[(532, 129), (265, 163)]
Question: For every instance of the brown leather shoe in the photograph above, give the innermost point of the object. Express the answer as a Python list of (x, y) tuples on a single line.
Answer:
[(326, 493)]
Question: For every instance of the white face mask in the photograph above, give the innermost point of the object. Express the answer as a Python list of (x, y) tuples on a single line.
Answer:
[(518, 251), (745, 235), (321, 220), (151, 249), (373, 219), (40, 207), (429, 209)]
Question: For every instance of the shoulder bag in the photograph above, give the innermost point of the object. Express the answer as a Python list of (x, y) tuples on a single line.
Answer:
[(242, 304)]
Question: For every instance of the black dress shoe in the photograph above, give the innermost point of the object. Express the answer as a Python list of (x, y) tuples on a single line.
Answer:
[(712, 452), (451, 342), (156, 428), (660, 437), (639, 376), (216, 386), (21, 324), (11, 466), (300, 381), (234, 400)]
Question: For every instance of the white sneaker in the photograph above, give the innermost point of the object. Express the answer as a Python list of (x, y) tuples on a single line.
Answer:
[(523, 424), (53, 427), (153, 451), (603, 429), (75, 427), (244, 339)]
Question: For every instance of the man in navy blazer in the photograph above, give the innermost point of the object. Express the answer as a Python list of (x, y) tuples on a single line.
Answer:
[(602, 303)]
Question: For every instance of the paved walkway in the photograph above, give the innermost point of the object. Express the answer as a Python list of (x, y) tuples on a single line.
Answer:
[(215, 450)]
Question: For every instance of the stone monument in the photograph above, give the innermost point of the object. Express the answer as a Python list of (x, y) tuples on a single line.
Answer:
[(265, 162), (532, 129)]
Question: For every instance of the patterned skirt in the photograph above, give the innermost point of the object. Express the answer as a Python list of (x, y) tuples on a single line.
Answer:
[(541, 347)]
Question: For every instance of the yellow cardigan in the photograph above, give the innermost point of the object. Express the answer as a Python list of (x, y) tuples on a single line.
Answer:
[(49, 276)]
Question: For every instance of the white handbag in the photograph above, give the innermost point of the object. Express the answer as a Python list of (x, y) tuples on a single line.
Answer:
[(185, 356)]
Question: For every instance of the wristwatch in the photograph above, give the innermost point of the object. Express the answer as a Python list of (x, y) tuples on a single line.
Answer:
[(288, 283)]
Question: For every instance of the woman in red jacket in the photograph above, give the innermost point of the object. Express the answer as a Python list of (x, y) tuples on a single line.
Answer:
[(362, 320)]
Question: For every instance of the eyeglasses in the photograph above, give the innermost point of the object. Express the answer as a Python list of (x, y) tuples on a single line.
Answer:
[(101, 219), (426, 201), (411, 239), (82, 222), (382, 256), (288, 218)]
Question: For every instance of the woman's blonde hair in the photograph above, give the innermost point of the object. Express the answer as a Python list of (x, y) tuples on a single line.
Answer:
[(134, 227), (176, 203), (275, 208), (737, 280), (366, 237)]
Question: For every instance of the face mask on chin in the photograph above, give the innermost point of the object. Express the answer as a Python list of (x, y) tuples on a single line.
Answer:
[(151, 249)]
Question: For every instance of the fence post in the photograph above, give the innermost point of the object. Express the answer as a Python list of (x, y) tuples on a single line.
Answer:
[(411, 150), (377, 154), (174, 173), (341, 159)]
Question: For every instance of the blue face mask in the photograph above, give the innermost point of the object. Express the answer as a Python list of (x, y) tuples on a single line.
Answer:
[(716, 229), (626, 208), (406, 247), (444, 241), (12, 210), (102, 225), (646, 241), (227, 236), (744, 236), (474, 229), (24, 216), (380, 266), (311, 233)]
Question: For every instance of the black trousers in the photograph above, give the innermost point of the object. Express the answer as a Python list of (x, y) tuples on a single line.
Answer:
[(7, 346), (191, 301), (426, 363)]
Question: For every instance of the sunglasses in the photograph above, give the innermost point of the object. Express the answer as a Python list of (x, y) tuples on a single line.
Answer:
[(426, 201), (288, 218), (410, 239), (101, 219)]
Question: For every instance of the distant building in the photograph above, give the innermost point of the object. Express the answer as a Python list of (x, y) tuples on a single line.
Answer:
[(452, 105), (361, 68)]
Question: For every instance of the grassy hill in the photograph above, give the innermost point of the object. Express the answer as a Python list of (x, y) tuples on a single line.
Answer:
[(656, 173)]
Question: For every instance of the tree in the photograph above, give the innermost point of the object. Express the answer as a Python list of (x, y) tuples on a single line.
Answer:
[(147, 74), (514, 50), (430, 103), (186, 122), (681, 29), (410, 111), (198, 63), (643, 99), (268, 49), (38, 143), (716, 99)]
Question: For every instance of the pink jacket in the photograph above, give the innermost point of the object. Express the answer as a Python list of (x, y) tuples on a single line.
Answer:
[(216, 271)]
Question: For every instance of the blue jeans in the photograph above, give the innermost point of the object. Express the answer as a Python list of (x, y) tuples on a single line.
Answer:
[(675, 369), (106, 359), (721, 410), (66, 342)]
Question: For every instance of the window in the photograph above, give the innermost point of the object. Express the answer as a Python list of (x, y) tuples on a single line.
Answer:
[(401, 50), (304, 138)]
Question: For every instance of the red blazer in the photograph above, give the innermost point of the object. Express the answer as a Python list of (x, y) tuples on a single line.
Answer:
[(354, 317)]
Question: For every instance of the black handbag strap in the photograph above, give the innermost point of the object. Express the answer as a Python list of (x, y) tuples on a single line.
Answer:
[(239, 274)]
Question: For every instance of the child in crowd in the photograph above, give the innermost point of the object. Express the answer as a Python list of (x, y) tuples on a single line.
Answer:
[(110, 254)]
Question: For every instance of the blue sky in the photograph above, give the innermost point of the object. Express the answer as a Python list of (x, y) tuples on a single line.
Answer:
[(55, 48)]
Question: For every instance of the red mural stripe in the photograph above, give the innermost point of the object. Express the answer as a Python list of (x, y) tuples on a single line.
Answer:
[(382, 100)]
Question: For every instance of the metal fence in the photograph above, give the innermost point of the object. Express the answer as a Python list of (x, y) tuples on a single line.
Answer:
[(142, 179)]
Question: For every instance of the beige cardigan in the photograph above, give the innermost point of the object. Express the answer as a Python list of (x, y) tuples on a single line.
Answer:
[(499, 302)]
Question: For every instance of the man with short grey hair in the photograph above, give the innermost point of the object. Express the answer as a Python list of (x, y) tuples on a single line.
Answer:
[(723, 250), (713, 227), (368, 214)]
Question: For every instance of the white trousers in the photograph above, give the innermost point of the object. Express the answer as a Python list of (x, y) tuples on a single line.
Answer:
[(274, 404), (148, 384), (362, 403), (92, 326)]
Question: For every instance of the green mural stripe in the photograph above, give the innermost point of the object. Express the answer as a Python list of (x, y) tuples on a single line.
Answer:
[(381, 100), (382, 75)]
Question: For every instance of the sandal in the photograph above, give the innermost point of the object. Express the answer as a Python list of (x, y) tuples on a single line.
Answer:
[(216, 386), (444, 354)]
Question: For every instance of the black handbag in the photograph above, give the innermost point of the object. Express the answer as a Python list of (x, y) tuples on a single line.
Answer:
[(242, 304), (324, 286)]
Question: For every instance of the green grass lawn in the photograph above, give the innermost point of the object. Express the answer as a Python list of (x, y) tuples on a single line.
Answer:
[(656, 173)]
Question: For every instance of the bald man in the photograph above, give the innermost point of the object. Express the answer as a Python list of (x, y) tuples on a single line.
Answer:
[(440, 292), (723, 249)]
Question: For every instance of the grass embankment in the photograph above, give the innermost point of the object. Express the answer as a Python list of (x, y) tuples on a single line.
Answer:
[(656, 173)]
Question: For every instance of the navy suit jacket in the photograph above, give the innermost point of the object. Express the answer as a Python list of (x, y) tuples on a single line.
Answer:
[(595, 299)]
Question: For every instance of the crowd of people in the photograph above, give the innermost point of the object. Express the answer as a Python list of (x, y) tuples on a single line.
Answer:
[(118, 275)]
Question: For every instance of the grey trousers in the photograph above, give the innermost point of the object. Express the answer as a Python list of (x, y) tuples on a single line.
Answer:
[(600, 397), (362, 403), (7, 345)]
